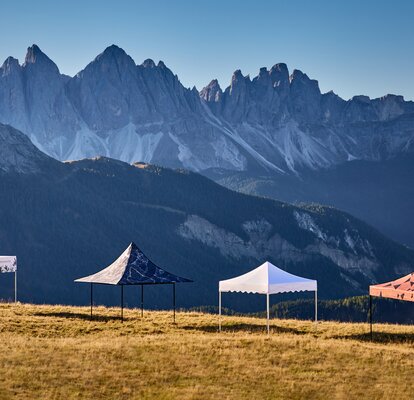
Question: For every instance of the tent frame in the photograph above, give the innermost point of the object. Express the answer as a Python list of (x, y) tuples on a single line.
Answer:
[(400, 289), (15, 279), (15, 286), (142, 296), (268, 310)]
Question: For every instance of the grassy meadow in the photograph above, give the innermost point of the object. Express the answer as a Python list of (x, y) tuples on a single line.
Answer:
[(56, 352)]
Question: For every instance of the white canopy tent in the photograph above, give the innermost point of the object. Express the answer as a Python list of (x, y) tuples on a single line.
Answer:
[(268, 279), (9, 264)]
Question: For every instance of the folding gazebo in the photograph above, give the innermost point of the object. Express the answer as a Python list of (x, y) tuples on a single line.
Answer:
[(9, 264), (133, 267), (268, 279), (400, 289)]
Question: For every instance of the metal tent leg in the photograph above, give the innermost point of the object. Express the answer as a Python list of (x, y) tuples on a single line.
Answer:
[(219, 311), (122, 303), (316, 306), (267, 307), (174, 301), (142, 301), (15, 286), (370, 316), (91, 298)]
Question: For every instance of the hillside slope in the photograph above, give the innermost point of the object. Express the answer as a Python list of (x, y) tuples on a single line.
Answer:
[(69, 220), (379, 193)]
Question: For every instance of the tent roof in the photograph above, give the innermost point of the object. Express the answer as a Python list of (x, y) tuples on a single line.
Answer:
[(400, 289), (267, 279), (133, 267)]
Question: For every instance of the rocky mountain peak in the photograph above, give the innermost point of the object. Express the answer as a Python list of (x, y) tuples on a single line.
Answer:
[(33, 54), (148, 63), (237, 75), (161, 64), (113, 55), (263, 71), (113, 51), (36, 58), (361, 99), (9, 65), (279, 75), (18, 154), (212, 92)]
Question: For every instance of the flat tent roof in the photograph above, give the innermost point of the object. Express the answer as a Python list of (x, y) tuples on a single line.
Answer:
[(400, 289)]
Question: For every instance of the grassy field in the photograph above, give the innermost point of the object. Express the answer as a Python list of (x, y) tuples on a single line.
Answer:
[(55, 352)]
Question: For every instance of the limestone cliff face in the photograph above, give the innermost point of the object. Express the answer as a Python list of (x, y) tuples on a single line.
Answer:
[(351, 253)]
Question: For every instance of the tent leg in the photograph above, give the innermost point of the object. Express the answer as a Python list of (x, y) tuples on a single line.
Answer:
[(370, 316), (15, 286), (219, 311), (142, 301), (174, 301), (316, 306), (122, 303), (267, 307), (91, 298)]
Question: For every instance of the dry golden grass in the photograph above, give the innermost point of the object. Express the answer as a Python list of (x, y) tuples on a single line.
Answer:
[(55, 352)]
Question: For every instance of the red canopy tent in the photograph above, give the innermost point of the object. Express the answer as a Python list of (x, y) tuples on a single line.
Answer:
[(400, 289)]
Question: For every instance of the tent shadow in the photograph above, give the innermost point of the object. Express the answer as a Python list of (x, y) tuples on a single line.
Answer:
[(87, 317), (243, 327), (380, 337)]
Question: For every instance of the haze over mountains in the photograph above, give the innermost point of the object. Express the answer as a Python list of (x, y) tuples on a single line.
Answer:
[(275, 134), (66, 220)]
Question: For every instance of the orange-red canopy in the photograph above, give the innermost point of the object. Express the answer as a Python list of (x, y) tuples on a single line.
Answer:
[(400, 289)]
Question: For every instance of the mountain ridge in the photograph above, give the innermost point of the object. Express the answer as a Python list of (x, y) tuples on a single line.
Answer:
[(276, 122), (70, 219)]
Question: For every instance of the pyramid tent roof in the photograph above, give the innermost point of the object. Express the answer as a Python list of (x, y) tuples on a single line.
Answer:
[(132, 267)]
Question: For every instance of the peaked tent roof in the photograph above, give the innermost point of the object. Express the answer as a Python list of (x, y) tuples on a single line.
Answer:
[(133, 267), (267, 279), (400, 289)]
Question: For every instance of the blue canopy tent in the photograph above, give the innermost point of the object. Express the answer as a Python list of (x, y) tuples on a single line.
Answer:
[(133, 267)]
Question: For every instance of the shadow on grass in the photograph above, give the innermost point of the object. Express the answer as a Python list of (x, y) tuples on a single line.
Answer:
[(380, 337), (243, 327), (70, 315)]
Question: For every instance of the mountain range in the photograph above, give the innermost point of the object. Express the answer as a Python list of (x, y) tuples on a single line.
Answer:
[(67, 220), (275, 134), (276, 121)]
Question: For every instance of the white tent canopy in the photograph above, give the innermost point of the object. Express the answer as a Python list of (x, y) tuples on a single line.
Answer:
[(9, 264), (268, 279)]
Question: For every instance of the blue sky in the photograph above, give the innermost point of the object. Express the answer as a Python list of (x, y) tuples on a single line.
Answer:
[(351, 47)]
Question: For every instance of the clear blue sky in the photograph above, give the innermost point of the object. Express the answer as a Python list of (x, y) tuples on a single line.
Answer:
[(351, 47)]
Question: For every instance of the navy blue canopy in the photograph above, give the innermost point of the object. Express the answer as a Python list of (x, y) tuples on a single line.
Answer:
[(133, 267)]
